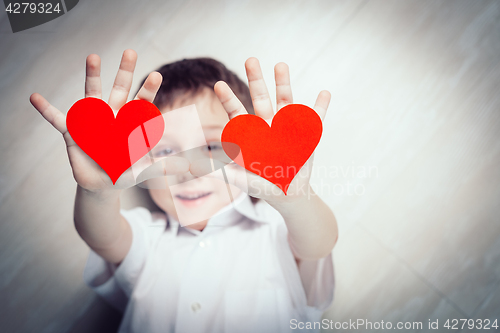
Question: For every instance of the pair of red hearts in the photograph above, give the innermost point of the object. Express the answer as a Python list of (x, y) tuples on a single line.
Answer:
[(275, 153)]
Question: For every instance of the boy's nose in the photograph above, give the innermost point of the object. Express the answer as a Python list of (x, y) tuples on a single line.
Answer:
[(184, 177)]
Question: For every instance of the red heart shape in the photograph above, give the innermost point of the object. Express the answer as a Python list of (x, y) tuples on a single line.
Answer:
[(115, 143), (276, 153)]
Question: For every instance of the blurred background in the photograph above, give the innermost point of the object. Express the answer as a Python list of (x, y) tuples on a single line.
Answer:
[(415, 99)]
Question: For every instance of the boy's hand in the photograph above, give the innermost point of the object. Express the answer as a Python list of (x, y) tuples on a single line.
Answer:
[(312, 227), (87, 173), (255, 185)]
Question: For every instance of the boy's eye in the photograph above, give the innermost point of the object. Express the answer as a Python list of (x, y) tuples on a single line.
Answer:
[(163, 152), (213, 146)]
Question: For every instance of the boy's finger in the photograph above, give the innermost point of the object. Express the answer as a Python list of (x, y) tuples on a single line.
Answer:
[(229, 101), (93, 77), (233, 174), (69, 140), (283, 87), (150, 87), (258, 90), (123, 80), (55, 117), (322, 103), (236, 175)]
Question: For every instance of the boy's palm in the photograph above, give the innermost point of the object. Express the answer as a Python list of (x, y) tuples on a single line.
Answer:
[(253, 184)]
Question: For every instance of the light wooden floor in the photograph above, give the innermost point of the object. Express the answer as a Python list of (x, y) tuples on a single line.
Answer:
[(416, 100)]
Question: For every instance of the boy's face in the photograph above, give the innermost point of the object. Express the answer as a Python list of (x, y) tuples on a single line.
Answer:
[(190, 200)]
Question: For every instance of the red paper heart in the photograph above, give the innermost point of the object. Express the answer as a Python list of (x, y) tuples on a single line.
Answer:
[(115, 143), (278, 152)]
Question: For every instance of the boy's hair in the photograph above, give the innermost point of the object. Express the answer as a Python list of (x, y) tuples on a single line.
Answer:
[(188, 77)]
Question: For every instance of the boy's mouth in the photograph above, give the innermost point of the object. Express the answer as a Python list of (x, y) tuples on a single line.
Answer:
[(193, 198)]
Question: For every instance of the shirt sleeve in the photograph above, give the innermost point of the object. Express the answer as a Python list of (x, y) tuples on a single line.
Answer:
[(316, 276), (115, 283), (318, 280)]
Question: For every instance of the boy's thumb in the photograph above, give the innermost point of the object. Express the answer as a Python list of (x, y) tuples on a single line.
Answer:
[(229, 173)]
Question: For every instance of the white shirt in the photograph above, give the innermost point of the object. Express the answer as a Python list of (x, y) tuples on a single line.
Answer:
[(237, 275)]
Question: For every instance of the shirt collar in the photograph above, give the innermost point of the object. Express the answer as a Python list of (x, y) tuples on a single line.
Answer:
[(242, 206)]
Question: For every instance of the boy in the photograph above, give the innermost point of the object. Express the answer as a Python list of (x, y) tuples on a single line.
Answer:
[(243, 266)]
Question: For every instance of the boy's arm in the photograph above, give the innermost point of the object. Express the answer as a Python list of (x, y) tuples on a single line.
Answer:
[(99, 223), (97, 204), (312, 227), (97, 207), (311, 224)]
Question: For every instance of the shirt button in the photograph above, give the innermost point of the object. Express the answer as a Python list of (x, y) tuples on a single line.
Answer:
[(195, 307), (205, 243)]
